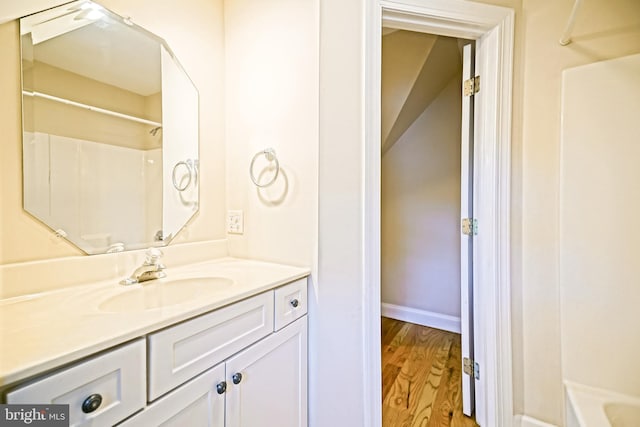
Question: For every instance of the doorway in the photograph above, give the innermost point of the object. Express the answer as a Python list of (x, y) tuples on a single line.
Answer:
[(492, 29), (426, 265)]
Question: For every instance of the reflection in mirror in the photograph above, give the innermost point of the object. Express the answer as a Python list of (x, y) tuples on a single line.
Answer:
[(110, 130)]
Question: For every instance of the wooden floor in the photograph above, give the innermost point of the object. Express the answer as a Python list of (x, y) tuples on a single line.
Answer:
[(421, 377)]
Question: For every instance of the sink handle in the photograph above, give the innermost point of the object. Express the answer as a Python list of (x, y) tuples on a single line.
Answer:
[(152, 256)]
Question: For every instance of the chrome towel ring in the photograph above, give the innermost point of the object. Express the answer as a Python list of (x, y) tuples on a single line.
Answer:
[(192, 174), (270, 155)]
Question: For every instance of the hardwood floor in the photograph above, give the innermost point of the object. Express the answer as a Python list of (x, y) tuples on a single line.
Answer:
[(421, 377)]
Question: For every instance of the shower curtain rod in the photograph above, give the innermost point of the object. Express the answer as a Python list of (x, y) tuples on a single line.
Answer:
[(566, 36), (90, 107)]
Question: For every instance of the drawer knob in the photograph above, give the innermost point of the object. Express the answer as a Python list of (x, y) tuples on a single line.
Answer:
[(236, 378), (294, 303), (91, 403), (221, 387)]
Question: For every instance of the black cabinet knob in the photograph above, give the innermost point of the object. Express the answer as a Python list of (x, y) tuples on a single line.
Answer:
[(294, 303), (236, 378), (91, 403), (221, 387)]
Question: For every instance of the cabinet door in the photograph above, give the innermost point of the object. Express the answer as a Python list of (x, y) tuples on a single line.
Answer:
[(272, 389), (198, 403)]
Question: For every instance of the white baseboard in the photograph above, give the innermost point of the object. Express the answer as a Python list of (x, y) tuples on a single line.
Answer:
[(421, 317), (525, 421)]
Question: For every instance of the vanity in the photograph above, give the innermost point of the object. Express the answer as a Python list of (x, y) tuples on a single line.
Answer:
[(219, 343)]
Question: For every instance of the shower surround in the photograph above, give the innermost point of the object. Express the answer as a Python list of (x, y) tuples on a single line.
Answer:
[(599, 209)]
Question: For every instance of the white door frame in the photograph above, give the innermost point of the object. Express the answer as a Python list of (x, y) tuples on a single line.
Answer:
[(493, 29)]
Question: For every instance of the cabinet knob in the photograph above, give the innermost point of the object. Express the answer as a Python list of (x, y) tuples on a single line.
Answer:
[(91, 403), (294, 303), (236, 378), (221, 387)]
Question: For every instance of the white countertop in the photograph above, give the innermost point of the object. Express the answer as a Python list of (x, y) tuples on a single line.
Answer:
[(43, 331)]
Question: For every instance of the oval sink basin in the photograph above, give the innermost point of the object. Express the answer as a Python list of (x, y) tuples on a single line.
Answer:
[(163, 293)]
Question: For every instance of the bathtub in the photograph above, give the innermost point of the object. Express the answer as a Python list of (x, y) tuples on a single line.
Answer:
[(593, 407)]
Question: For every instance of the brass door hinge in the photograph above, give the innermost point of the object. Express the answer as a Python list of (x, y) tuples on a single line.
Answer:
[(469, 226), (471, 86), (471, 368)]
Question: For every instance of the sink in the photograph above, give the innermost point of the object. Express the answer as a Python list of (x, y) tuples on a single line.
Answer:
[(163, 293)]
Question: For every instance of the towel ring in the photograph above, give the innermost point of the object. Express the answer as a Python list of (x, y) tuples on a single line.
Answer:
[(191, 168), (270, 155)]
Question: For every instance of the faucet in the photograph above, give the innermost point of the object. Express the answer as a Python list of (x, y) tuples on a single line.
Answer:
[(151, 269)]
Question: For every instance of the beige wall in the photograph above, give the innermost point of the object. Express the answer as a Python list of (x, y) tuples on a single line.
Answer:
[(194, 30), (10, 9), (46, 116), (603, 30), (272, 101), (42, 77), (420, 265)]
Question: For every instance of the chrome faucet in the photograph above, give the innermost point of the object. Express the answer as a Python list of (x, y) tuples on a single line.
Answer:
[(151, 269)]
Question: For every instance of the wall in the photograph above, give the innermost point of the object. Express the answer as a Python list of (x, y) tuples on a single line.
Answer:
[(272, 96), (12, 8), (603, 30), (599, 200), (421, 210), (194, 30), (271, 66), (60, 119)]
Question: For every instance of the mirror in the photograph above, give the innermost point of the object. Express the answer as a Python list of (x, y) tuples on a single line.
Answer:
[(110, 130)]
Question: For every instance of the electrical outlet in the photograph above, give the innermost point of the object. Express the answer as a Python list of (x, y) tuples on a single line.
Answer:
[(235, 222)]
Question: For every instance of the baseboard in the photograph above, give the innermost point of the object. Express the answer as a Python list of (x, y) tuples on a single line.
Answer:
[(421, 317), (525, 421)]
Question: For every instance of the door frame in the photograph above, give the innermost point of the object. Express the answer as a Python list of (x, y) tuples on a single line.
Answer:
[(492, 27)]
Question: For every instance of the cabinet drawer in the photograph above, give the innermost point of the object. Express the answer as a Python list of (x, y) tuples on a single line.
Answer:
[(197, 403), (183, 351), (290, 303), (118, 377)]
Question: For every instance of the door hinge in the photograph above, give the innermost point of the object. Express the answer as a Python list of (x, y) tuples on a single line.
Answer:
[(471, 86), (471, 368), (469, 226)]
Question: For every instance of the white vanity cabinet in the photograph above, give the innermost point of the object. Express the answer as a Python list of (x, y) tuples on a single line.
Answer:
[(265, 385), (253, 375), (241, 365)]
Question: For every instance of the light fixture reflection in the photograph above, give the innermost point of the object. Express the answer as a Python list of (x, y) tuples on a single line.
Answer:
[(90, 11)]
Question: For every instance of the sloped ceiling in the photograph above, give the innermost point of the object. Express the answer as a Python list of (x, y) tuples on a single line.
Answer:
[(415, 68)]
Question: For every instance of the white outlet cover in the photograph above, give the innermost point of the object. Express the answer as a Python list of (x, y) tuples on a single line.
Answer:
[(235, 222)]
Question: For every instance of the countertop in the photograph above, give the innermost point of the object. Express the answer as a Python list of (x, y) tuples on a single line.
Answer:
[(40, 332)]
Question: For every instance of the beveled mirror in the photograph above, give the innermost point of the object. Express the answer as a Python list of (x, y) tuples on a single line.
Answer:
[(110, 130)]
